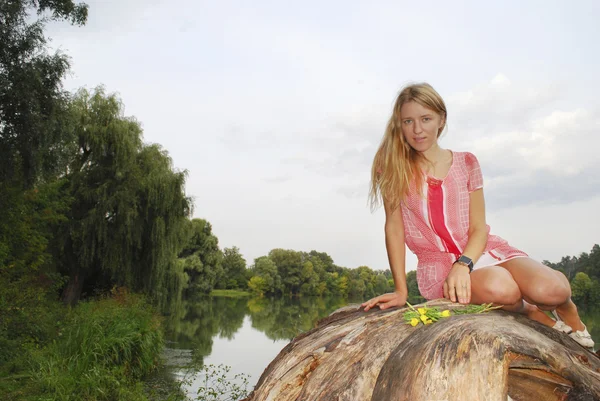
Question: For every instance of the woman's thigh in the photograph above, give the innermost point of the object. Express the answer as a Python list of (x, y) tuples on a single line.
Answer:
[(494, 284), (539, 284)]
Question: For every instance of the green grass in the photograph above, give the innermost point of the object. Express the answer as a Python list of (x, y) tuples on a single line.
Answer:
[(230, 293), (102, 351)]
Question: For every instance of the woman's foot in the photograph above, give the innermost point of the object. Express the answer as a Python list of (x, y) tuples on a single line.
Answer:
[(583, 337), (580, 333), (567, 312), (534, 313)]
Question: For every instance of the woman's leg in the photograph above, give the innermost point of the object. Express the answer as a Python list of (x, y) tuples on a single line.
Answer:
[(544, 287), (496, 285)]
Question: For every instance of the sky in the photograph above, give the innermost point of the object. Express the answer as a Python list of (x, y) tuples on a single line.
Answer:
[(275, 109)]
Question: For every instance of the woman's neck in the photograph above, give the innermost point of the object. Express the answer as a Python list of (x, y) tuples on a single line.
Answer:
[(435, 154)]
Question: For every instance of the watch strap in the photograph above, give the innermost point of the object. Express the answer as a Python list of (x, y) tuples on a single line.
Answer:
[(465, 260)]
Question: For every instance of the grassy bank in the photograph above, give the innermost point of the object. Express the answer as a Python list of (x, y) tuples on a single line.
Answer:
[(230, 293), (100, 350)]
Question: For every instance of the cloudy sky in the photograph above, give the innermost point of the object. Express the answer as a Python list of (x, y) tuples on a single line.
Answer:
[(276, 108)]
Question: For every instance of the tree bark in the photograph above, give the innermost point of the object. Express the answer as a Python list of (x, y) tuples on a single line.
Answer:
[(375, 356), (72, 292)]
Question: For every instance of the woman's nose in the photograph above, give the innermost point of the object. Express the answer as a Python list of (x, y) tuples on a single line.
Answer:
[(417, 127)]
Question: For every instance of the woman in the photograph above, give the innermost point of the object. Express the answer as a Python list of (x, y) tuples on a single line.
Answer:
[(434, 203)]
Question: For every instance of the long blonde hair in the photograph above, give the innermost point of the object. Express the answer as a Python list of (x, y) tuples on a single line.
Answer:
[(396, 163)]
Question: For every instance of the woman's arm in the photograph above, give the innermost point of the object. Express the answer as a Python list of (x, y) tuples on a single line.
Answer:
[(395, 245), (457, 286), (478, 234)]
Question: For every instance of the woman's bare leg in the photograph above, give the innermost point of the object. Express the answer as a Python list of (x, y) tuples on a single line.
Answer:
[(496, 285), (544, 287)]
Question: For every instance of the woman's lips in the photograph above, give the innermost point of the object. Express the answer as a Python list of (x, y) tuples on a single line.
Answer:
[(420, 139)]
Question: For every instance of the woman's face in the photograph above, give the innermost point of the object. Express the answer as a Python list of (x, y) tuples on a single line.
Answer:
[(420, 126)]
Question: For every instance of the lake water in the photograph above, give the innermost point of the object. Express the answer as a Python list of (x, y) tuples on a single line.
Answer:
[(246, 334)]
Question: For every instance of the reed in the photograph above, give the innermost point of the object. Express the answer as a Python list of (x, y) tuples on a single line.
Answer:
[(102, 352)]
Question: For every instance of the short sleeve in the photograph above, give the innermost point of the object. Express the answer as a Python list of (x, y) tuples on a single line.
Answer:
[(475, 177)]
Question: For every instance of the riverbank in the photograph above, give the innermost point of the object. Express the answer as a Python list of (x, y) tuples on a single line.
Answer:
[(99, 350), (230, 293)]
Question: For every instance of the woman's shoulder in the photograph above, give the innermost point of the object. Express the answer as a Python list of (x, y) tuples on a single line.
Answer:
[(463, 153), (467, 158)]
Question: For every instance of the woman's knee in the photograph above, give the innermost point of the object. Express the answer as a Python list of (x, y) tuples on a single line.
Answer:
[(497, 287), (548, 291), (539, 284), (506, 294)]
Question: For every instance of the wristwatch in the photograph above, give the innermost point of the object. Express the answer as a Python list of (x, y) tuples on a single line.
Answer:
[(465, 260)]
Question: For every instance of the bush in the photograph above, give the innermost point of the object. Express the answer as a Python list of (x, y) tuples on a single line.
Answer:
[(103, 350)]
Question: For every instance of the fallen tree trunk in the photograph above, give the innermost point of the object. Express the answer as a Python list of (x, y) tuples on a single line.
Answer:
[(375, 356)]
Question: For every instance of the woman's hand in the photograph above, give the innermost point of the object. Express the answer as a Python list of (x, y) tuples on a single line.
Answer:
[(457, 286), (386, 300)]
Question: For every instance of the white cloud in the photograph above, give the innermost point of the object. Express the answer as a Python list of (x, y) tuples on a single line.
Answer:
[(530, 152)]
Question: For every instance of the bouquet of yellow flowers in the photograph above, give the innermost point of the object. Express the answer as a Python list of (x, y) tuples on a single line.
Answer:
[(428, 315)]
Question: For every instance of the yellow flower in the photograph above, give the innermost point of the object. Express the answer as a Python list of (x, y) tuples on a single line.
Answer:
[(428, 321), (424, 318), (422, 311), (414, 322), (446, 313)]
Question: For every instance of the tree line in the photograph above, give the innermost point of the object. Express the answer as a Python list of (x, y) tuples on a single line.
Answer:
[(583, 272), (280, 272)]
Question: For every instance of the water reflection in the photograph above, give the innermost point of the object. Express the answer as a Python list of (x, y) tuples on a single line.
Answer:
[(193, 325)]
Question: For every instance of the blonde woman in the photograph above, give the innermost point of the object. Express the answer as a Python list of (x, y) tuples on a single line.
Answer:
[(434, 203)]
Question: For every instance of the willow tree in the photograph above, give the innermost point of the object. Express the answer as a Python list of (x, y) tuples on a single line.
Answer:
[(128, 211), (31, 94)]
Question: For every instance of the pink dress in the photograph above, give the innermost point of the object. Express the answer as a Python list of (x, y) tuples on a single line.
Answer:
[(436, 225)]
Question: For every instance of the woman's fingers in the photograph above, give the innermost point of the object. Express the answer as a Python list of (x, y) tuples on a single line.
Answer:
[(385, 301), (445, 287), (452, 289), (387, 304), (469, 291), (371, 303), (462, 293), (464, 290)]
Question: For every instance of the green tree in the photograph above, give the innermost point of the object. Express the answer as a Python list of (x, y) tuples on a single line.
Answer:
[(414, 295), (381, 284), (259, 285), (591, 262), (234, 270), (337, 284), (310, 279), (128, 212), (289, 266), (266, 279), (204, 259), (581, 288), (324, 259), (31, 96)]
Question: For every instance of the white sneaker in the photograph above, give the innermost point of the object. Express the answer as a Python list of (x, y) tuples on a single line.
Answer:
[(583, 337), (560, 325)]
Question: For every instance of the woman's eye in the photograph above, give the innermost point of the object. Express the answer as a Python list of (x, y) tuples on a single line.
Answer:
[(407, 121), (427, 119)]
